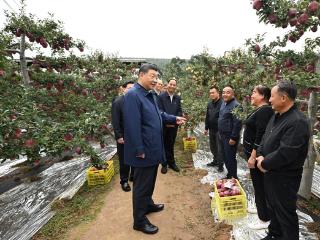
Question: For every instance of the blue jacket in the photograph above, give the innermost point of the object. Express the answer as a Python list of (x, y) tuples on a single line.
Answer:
[(228, 124), (143, 128)]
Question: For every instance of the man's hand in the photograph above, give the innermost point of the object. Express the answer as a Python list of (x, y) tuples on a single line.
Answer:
[(141, 156), (251, 162), (259, 160), (232, 142), (206, 132), (181, 120), (120, 141)]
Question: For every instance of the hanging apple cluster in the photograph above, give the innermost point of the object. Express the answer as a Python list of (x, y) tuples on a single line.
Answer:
[(301, 16)]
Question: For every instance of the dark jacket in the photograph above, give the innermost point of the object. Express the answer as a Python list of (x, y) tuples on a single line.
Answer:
[(117, 117), (165, 104), (143, 128), (228, 124), (285, 143), (212, 115), (255, 126)]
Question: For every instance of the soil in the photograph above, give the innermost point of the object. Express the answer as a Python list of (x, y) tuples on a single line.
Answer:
[(187, 214)]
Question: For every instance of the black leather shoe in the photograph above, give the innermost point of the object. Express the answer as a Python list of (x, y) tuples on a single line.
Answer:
[(156, 208), (174, 167), (212, 164), (126, 187), (164, 169), (147, 228)]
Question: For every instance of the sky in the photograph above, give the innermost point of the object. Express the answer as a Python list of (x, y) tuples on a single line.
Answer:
[(154, 28)]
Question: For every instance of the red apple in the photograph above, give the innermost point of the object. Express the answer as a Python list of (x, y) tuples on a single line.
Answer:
[(310, 68), (2, 73), (314, 28), (49, 86), (102, 145), (257, 48), (292, 12), (18, 133), (288, 63), (292, 38), (60, 82), (78, 150), (29, 143), (293, 22), (303, 19), (313, 6), (84, 92), (68, 137), (272, 18), (257, 4)]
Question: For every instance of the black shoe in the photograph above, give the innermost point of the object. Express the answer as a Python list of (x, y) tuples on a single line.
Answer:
[(174, 167), (212, 164), (220, 169), (131, 178), (156, 208), (164, 169), (147, 228), (126, 187)]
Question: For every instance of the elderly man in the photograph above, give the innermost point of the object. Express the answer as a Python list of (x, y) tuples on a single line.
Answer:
[(229, 127), (143, 148), (281, 156), (158, 88)]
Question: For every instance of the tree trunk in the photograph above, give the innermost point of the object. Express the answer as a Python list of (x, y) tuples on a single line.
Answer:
[(307, 175), (23, 62)]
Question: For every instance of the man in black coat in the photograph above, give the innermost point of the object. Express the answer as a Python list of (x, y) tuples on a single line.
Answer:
[(281, 157), (170, 103), (211, 126), (229, 127), (118, 127)]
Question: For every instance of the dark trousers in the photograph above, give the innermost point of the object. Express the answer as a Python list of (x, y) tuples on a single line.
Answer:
[(281, 195), (169, 138), (229, 156), (259, 193), (124, 169), (215, 148), (144, 180)]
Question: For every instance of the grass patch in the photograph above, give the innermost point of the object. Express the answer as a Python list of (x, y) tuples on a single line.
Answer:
[(82, 208)]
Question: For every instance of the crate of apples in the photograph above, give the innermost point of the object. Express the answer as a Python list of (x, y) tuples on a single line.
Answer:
[(228, 187)]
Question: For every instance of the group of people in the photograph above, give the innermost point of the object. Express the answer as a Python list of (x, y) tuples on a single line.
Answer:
[(275, 140)]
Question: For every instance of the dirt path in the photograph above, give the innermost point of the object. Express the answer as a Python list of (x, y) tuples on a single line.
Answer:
[(186, 216)]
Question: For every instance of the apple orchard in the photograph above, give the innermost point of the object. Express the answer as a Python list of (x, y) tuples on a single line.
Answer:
[(60, 98)]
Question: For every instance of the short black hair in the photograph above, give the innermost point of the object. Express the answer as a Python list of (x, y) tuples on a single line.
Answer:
[(126, 84), (288, 88), (148, 66), (264, 91), (214, 87), (173, 78)]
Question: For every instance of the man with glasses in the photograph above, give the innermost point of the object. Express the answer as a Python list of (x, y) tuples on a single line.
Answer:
[(143, 124)]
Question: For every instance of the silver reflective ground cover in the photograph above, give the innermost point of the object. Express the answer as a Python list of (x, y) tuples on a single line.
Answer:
[(241, 231), (26, 208)]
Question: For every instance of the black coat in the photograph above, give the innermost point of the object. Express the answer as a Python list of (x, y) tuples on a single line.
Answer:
[(212, 115), (165, 104), (255, 127), (285, 143), (117, 117)]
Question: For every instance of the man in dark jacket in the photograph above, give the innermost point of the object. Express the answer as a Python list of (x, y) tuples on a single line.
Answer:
[(143, 148), (211, 126), (229, 129), (282, 153), (117, 123), (170, 103)]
